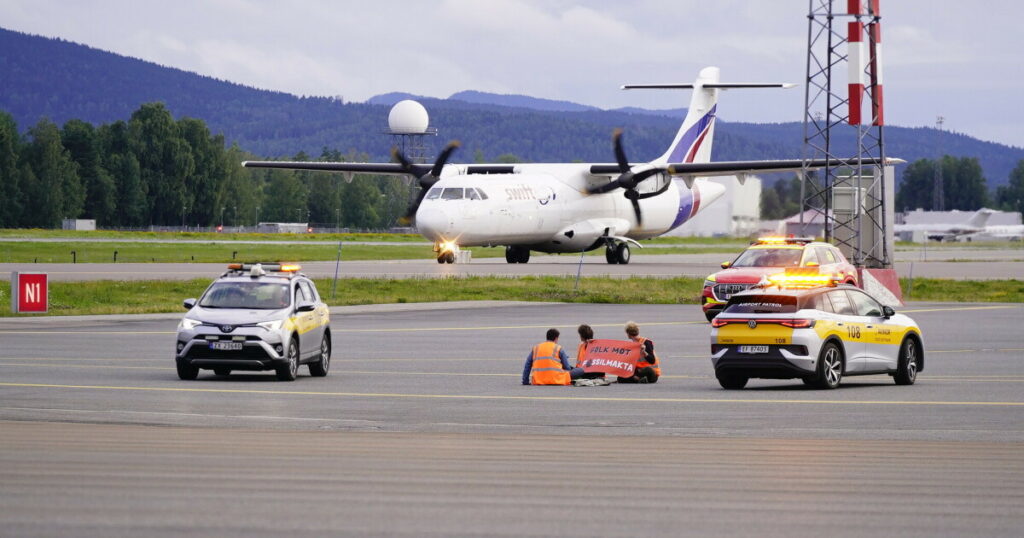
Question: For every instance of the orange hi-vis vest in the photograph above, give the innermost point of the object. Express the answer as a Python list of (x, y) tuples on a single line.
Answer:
[(642, 363), (581, 353), (547, 367)]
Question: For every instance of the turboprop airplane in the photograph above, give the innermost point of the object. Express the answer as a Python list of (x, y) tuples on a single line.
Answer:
[(571, 207)]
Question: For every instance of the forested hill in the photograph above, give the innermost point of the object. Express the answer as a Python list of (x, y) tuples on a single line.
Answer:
[(42, 77)]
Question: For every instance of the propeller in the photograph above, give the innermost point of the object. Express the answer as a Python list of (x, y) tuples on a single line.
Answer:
[(425, 180), (628, 179)]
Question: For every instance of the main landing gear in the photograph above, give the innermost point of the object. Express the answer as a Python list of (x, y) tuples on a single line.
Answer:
[(617, 253), (517, 254)]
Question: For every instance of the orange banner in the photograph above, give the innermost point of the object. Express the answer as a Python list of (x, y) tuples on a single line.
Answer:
[(615, 357)]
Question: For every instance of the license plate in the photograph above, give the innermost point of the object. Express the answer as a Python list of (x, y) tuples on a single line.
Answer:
[(226, 346), (753, 349)]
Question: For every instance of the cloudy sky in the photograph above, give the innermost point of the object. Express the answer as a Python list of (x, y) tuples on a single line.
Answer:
[(942, 57)]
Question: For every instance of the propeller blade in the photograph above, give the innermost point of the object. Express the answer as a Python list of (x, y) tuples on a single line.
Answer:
[(636, 209), (620, 153), (443, 157), (405, 163), (410, 212), (426, 180)]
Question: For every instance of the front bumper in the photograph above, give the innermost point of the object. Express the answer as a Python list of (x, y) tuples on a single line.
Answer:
[(261, 349)]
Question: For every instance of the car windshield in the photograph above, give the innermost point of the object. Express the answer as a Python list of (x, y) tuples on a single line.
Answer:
[(256, 295), (769, 257), (761, 304)]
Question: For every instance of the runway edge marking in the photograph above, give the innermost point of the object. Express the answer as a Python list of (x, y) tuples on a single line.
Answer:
[(496, 397)]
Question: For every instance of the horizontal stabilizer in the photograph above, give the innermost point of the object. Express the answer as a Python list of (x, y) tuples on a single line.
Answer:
[(712, 86)]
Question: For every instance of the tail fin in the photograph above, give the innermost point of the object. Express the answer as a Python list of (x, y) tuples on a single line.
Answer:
[(980, 218), (692, 143)]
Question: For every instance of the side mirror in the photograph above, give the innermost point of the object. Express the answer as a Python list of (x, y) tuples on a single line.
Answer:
[(188, 303), (887, 311), (305, 306), (725, 265)]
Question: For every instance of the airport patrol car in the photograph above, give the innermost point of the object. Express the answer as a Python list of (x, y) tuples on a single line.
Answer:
[(811, 327), (257, 316), (769, 255)]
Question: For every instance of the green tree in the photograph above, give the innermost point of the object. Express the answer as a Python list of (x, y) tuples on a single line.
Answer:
[(242, 187), (285, 197), (132, 208), (963, 185), (54, 191), (165, 161), (771, 206), (83, 145), (11, 199), (363, 201), (1010, 197), (203, 190), (120, 162)]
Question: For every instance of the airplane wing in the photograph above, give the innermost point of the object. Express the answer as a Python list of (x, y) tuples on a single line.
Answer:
[(351, 168), (732, 168), (393, 169)]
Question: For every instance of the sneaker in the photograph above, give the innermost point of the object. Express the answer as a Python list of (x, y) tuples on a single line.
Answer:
[(584, 382), (600, 382)]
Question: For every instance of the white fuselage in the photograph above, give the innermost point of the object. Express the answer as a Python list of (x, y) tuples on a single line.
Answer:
[(546, 207)]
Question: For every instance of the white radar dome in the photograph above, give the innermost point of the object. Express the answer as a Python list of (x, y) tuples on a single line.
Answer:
[(408, 117)]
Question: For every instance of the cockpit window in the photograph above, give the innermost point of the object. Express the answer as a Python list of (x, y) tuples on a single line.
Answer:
[(483, 195), (452, 194), (434, 193), (472, 194)]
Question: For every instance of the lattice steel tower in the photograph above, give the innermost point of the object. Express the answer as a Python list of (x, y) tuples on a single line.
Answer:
[(853, 195)]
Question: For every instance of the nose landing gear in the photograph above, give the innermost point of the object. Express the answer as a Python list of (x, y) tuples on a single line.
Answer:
[(446, 252)]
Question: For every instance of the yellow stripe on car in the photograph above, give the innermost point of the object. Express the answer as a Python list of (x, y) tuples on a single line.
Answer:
[(763, 333)]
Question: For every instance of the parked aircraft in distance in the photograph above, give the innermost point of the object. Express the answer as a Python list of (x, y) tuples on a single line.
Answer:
[(1005, 232), (949, 232), (571, 207)]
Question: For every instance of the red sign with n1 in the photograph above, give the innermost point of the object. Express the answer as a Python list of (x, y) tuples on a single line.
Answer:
[(30, 293)]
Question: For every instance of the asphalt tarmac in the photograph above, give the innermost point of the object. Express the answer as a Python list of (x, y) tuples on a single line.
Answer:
[(956, 263), (423, 428)]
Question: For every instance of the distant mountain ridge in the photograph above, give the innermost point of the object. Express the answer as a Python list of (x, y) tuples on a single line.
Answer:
[(43, 77)]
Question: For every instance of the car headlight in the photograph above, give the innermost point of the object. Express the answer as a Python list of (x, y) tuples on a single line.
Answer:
[(188, 324), (271, 325), (709, 283)]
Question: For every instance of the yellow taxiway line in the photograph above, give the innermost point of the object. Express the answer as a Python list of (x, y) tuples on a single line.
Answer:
[(500, 397)]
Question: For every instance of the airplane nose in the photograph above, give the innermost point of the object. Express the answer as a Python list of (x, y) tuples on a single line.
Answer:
[(434, 223), (710, 191)]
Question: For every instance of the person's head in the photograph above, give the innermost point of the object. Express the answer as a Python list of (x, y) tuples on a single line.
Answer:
[(586, 333), (632, 329), (553, 335)]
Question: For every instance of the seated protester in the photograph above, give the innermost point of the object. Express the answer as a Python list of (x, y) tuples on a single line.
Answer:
[(547, 363), (586, 336), (648, 369)]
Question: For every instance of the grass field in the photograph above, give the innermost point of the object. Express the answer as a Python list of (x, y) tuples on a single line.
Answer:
[(137, 297)]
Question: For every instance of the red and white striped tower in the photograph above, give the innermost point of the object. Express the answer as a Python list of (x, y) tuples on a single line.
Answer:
[(854, 199), (864, 60)]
